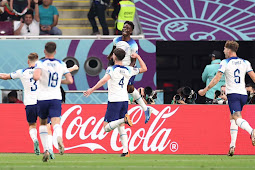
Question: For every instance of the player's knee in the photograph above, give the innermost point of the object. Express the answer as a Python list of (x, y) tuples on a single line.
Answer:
[(32, 125), (130, 88), (237, 115), (43, 121)]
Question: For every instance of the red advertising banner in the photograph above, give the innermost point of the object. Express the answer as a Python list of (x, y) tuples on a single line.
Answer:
[(173, 129)]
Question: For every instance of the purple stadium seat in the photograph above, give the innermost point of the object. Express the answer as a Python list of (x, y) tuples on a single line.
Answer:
[(6, 28)]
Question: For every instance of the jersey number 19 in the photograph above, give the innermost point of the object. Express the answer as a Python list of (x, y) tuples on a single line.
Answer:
[(53, 79)]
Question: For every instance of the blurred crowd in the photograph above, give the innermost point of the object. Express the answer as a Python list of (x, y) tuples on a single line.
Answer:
[(40, 17)]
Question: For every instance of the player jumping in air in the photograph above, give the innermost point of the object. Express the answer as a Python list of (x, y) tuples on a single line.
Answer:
[(129, 61), (118, 77), (235, 69)]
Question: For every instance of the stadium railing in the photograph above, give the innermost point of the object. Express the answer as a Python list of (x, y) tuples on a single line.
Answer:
[(97, 37)]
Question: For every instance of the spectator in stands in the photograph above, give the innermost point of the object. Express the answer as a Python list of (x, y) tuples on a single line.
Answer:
[(19, 7), (208, 74), (250, 88), (48, 19), (29, 24), (4, 13), (123, 11), (98, 8), (12, 97), (33, 3)]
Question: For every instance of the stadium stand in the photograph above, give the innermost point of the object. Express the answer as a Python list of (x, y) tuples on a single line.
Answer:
[(6, 28), (73, 17)]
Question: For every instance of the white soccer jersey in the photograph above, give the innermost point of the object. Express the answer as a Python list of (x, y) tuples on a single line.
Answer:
[(235, 70), (29, 84), (125, 46), (133, 48), (117, 85), (50, 80)]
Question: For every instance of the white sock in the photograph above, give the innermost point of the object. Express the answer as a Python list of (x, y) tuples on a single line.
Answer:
[(233, 132), (112, 125), (33, 134), (50, 142), (136, 95), (243, 124), (44, 137), (123, 138), (57, 130)]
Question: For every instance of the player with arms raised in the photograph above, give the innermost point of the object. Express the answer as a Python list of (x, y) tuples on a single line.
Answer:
[(129, 61), (118, 77), (48, 72), (235, 69)]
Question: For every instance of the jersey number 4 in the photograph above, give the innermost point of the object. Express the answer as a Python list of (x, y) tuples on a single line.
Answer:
[(121, 83), (237, 77)]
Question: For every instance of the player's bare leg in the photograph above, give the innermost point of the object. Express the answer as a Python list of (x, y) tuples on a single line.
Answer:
[(33, 135), (138, 98), (55, 121), (243, 124)]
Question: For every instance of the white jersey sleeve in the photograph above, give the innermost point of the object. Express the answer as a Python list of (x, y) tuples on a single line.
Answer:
[(65, 69), (114, 41), (109, 71), (248, 66), (38, 64), (223, 65), (134, 71), (17, 74)]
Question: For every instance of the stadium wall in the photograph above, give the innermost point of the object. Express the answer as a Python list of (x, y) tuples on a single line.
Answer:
[(173, 129), (14, 54)]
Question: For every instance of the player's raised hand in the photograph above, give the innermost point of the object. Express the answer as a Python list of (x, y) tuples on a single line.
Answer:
[(88, 92), (202, 92), (134, 55), (36, 1), (75, 67)]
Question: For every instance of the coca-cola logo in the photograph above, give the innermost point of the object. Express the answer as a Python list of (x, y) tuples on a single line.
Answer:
[(87, 131)]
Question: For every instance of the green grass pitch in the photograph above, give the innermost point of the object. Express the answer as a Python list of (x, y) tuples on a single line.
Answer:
[(136, 161)]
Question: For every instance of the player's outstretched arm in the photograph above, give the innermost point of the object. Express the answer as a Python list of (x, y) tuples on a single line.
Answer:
[(37, 74), (141, 62), (74, 68), (99, 84), (68, 79), (252, 75), (5, 76), (214, 81)]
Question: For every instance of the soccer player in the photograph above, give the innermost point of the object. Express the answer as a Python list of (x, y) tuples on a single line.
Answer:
[(48, 72), (129, 61), (117, 77), (52, 156), (234, 69), (30, 95)]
